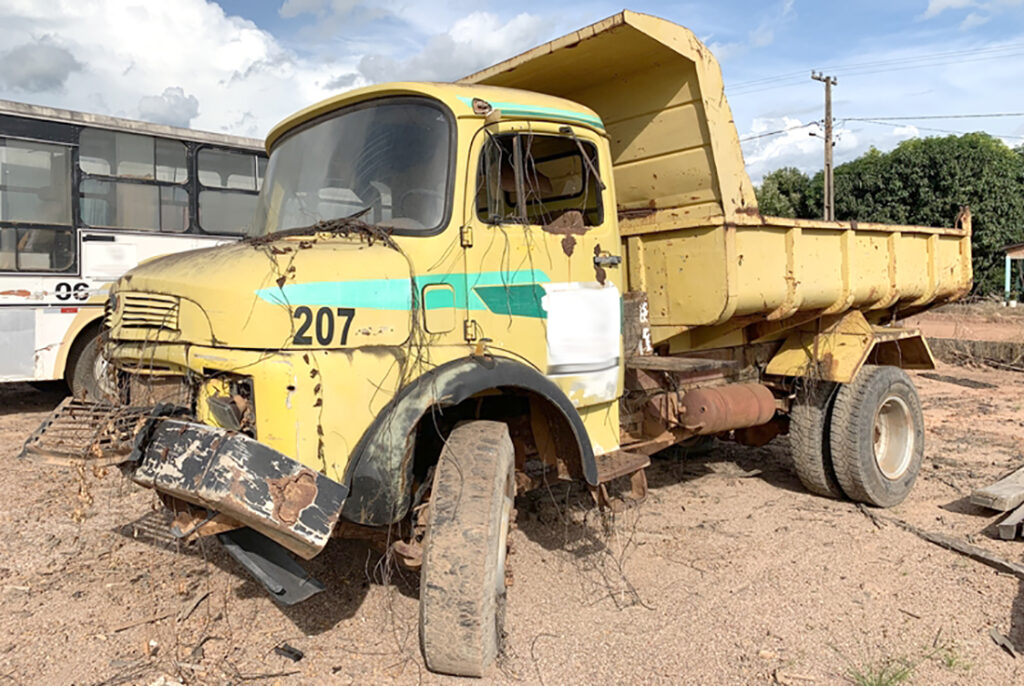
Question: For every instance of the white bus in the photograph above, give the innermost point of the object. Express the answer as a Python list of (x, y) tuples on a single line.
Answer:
[(83, 198)]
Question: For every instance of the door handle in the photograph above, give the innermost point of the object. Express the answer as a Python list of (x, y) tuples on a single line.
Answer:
[(97, 238), (607, 260)]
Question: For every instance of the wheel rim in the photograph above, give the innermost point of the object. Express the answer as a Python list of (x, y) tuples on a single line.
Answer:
[(893, 437), (101, 372)]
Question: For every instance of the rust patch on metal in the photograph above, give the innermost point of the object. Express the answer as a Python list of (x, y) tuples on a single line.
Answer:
[(828, 366), (638, 213), (20, 293), (567, 224), (568, 245), (291, 495)]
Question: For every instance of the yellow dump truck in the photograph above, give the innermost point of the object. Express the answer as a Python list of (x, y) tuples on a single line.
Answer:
[(453, 293)]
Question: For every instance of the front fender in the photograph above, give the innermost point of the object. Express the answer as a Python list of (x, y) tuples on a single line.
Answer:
[(379, 475)]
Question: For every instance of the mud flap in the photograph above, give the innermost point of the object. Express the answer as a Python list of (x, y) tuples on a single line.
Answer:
[(244, 479), (271, 565)]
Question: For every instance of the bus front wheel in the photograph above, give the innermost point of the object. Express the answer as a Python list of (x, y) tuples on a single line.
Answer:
[(89, 375)]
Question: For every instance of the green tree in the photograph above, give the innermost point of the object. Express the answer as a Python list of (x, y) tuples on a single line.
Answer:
[(783, 193)]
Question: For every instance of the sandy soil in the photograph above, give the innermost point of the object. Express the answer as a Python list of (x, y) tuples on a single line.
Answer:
[(729, 574), (972, 327)]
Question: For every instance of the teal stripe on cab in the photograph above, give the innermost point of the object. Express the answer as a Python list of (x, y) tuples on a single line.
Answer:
[(517, 110), (395, 294)]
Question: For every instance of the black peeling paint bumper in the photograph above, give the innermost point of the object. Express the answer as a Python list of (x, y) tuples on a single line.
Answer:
[(250, 482)]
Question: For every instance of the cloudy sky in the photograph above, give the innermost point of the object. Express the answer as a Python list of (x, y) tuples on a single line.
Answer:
[(239, 66)]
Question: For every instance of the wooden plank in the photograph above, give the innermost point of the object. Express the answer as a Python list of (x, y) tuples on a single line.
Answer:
[(1003, 495), (1009, 528), (970, 550)]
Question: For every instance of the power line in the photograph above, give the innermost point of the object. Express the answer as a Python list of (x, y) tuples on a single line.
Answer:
[(928, 128), (776, 133), (940, 116), (972, 52), (791, 79)]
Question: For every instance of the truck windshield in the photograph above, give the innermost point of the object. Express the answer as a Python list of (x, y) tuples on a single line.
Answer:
[(387, 162)]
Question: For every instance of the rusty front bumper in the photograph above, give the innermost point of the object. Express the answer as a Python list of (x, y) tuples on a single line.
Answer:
[(233, 474), (223, 471)]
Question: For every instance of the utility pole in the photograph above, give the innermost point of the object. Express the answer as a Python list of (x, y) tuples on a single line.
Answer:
[(830, 190)]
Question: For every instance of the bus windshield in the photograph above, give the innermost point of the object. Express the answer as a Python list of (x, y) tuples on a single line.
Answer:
[(387, 162)]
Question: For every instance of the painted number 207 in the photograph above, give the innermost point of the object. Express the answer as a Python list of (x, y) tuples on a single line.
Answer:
[(322, 324)]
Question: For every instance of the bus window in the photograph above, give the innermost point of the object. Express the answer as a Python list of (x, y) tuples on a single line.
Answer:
[(35, 188), (118, 199), (226, 212), (224, 169), (134, 206), (129, 155), (35, 179), (229, 181), (37, 250)]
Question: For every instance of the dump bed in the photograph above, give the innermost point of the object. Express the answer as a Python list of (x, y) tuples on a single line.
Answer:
[(694, 239)]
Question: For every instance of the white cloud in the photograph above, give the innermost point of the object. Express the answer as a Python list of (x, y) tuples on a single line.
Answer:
[(171, 107), (973, 20), (764, 34), (937, 7), (802, 144), (796, 147), (39, 66), (319, 8), (472, 43), (761, 36), (108, 54)]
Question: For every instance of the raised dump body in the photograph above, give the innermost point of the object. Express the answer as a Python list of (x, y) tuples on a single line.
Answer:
[(695, 242)]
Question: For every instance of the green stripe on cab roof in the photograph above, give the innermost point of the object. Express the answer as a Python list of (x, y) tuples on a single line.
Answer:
[(514, 109)]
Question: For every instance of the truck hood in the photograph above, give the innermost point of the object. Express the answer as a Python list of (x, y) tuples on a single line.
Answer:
[(348, 292)]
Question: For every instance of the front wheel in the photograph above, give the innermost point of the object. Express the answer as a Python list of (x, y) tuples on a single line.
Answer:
[(877, 436), (462, 581)]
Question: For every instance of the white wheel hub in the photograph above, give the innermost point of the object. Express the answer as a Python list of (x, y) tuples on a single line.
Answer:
[(893, 437)]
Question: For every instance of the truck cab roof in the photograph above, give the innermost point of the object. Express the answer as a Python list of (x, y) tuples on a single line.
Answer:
[(513, 103)]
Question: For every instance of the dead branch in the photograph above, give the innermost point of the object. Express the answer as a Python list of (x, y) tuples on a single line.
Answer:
[(976, 553)]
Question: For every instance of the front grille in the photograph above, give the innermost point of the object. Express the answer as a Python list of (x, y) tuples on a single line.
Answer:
[(148, 311)]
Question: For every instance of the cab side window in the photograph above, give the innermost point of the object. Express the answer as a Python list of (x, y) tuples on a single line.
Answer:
[(552, 174)]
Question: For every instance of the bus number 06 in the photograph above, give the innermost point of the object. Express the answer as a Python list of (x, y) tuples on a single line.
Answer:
[(65, 291), (322, 323)]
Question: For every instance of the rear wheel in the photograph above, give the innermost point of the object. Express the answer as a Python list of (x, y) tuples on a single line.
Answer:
[(462, 581), (89, 375), (877, 436), (809, 426)]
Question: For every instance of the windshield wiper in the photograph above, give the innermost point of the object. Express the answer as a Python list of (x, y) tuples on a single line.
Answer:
[(342, 226)]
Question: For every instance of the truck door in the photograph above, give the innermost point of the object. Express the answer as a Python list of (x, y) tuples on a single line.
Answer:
[(541, 251)]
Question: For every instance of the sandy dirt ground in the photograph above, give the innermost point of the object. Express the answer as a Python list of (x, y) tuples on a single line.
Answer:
[(729, 574), (978, 322)]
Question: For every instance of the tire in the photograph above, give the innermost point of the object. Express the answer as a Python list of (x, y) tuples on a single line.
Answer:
[(88, 375), (809, 426), (877, 436), (462, 581)]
